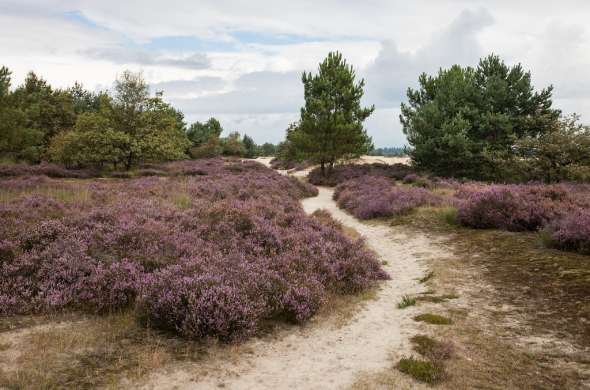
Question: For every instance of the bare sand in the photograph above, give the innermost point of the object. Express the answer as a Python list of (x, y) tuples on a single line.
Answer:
[(323, 357), (360, 160)]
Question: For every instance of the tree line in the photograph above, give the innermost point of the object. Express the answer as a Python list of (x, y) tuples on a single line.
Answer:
[(486, 122), (118, 130)]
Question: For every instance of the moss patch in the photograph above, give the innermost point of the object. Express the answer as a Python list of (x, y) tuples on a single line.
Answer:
[(433, 319)]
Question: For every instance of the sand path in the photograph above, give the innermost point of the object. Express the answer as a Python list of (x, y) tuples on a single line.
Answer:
[(324, 357)]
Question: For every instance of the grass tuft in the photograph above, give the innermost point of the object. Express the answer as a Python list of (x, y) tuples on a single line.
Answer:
[(433, 319), (448, 215), (406, 302), (421, 370), (182, 200)]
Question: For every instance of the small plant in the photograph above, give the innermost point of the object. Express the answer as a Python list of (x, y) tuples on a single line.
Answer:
[(432, 370), (433, 319), (182, 200), (427, 277), (449, 215), (421, 370), (406, 301), (432, 349)]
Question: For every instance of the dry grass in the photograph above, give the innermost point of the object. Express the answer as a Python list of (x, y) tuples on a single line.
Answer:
[(181, 200), (77, 193), (83, 354), (433, 319)]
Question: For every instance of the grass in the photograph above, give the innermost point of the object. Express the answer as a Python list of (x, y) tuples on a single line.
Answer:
[(433, 319), (181, 200), (432, 369), (427, 277), (85, 354), (421, 370), (436, 298), (406, 302), (447, 214), (78, 194)]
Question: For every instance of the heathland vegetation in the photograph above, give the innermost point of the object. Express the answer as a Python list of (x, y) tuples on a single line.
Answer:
[(112, 205), (213, 249)]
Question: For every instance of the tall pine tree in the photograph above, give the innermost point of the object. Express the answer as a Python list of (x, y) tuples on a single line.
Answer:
[(331, 124)]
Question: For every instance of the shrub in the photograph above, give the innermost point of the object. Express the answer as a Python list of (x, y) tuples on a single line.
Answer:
[(342, 173), (374, 197), (517, 207), (50, 170), (572, 232)]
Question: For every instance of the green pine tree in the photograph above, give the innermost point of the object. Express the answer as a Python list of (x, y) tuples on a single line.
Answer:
[(331, 125)]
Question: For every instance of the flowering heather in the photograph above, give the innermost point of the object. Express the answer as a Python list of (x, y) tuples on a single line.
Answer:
[(212, 249), (572, 232), (50, 170), (518, 207), (373, 197), (342, 173)]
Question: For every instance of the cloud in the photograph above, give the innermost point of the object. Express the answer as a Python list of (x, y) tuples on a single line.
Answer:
[(252, 93), (122, 55), (180, 89), (393, 71)]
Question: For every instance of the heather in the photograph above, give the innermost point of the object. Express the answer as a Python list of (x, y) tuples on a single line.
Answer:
[(560, 210), (571, 233), (519, 207), (211, 248), (375, 197), (341, 173), (45, 169)]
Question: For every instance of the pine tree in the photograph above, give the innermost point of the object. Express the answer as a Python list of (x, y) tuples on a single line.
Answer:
[(331, 125)]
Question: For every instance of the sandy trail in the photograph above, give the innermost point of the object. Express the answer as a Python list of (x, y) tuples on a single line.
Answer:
[(324, 357)]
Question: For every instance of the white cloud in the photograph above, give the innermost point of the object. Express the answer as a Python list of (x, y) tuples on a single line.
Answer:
[(393, 71)]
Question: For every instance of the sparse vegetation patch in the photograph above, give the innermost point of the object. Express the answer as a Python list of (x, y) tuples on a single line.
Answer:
[(433, 319), (421, 370), (406, 302)]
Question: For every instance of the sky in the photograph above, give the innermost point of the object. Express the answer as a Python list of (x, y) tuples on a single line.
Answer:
[(241, 62)]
